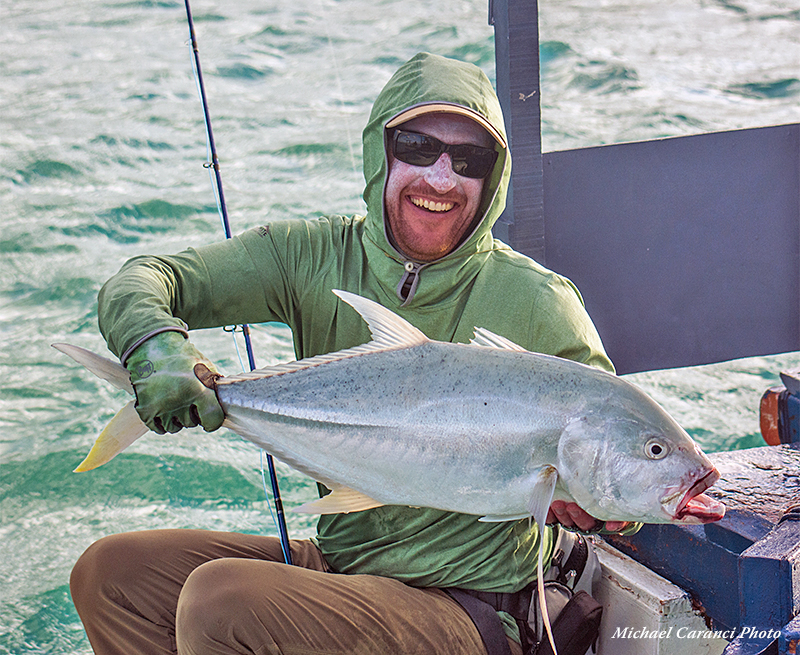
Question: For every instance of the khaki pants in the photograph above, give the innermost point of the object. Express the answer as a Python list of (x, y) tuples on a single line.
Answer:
[(194, 591)]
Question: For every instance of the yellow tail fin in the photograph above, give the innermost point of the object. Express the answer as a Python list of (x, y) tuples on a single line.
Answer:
[(125, 428)]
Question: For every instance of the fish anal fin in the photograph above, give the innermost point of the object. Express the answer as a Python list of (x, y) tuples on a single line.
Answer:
[(498, 518), (341, 500), (125, 428)]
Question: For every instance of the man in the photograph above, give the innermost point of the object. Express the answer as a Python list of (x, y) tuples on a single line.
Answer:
[(437, 167)]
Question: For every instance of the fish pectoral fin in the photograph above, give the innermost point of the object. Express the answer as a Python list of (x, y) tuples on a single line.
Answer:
[(341, 500), (125, 428), (542, 494), (104, 368), (544, 488)]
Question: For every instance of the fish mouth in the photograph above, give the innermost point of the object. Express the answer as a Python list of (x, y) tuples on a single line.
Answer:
[(696, 507)]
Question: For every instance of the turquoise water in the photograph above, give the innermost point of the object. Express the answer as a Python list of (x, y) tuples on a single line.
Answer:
[(102, 144)]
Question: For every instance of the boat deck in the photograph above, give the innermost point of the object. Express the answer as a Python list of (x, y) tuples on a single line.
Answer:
[(742, 573)]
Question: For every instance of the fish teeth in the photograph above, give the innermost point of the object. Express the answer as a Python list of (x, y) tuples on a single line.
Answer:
[(433, 206)]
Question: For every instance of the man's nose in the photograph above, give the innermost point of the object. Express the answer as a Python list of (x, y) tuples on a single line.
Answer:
[(440, 175)]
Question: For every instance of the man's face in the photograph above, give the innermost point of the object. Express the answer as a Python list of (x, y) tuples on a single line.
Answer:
[(429, 208)]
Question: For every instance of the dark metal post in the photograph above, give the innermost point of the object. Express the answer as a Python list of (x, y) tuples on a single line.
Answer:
[(516, 35)]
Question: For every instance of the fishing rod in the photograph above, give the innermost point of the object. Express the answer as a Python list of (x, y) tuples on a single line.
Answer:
[(214, 164)]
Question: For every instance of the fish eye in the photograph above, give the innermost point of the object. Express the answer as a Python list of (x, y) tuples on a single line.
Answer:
[(656, 448)]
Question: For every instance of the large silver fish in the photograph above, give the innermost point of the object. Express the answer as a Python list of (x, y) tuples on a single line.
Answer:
[(485, 428)]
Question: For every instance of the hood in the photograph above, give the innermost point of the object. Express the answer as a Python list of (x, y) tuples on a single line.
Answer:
[(428, 83)]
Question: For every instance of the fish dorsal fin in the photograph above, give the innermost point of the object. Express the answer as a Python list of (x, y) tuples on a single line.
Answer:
[(484, 337), (340, 501), (387, 328), (388, 331)]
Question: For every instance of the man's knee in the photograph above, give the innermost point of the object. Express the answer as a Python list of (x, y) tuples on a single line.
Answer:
[(127, 570), (211, 606), (100, 567), (208, 589)]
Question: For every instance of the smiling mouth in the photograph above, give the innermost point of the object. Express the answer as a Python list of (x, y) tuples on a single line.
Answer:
[(432, 206)]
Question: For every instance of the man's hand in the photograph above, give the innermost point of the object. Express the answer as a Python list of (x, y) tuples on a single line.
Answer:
[(571, 516), (168, 394)]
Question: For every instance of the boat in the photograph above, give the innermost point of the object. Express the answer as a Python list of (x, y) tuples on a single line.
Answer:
[(686, 251)]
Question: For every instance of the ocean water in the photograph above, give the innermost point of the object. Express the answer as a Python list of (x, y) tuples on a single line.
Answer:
[(103, 145)]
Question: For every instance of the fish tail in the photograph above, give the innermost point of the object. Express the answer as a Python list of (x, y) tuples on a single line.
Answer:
[(105, 369), (125, 428)]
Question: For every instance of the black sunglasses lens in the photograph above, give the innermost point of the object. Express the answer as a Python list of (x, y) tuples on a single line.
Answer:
[(472, 161), (416, 149), (423, 150)]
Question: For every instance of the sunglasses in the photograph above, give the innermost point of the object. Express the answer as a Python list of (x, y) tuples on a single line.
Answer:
[(423, 150)]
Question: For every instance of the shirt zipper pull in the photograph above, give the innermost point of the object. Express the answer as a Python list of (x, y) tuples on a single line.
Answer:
[(409, 281)]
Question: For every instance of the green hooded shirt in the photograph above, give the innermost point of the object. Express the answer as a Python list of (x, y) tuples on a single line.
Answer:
[(285, 270)]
